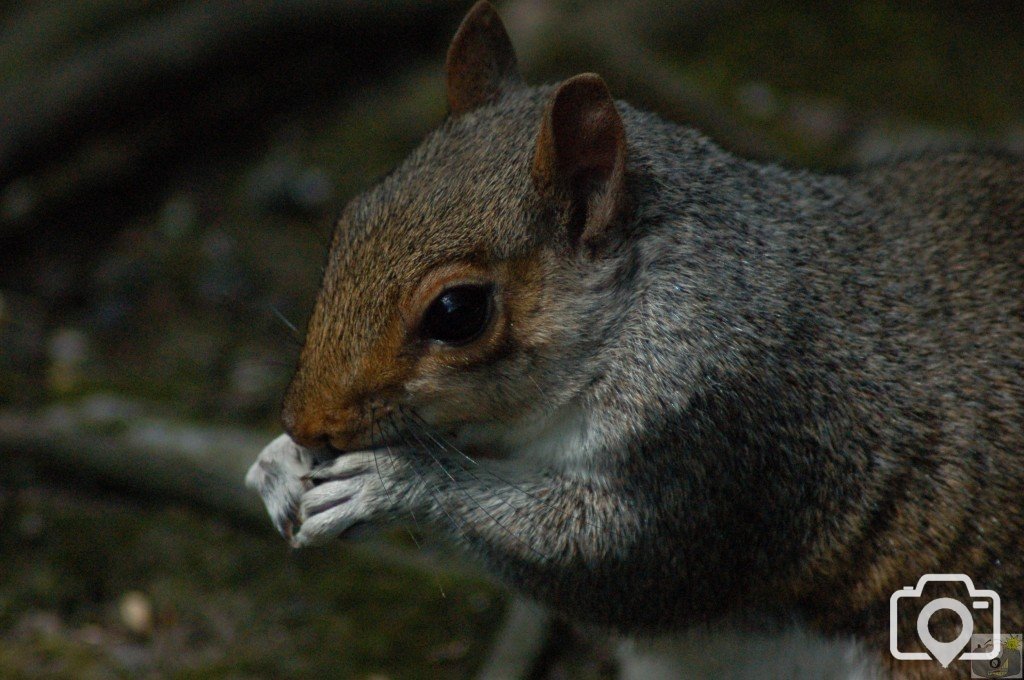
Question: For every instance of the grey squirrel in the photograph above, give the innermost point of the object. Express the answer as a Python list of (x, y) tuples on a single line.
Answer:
[(655, 386)]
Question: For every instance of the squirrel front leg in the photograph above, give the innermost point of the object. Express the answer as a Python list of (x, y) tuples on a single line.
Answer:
[(535, 519), (577, 541), (543, 531)]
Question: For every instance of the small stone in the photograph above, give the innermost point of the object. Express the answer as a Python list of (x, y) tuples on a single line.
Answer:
[(68, 345), (312, 190), (223, 279), (132, 657), (249, 377), (136, 612)]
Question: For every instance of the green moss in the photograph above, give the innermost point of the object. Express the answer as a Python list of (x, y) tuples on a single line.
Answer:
[(226, 602)]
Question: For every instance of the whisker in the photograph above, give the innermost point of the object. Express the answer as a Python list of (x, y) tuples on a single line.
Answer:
[(540, 392), (426, 484), (376, 464), (446, 443), (460, 526), (427, 431), (473, 499), (283, 319)]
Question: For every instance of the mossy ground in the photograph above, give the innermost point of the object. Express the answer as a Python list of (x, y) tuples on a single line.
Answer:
[(225, 601)]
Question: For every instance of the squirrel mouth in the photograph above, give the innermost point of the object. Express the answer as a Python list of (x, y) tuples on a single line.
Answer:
[(329, 452), (411, 434)]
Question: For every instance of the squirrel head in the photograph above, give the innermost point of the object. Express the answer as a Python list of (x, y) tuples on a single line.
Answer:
[(453, 288)]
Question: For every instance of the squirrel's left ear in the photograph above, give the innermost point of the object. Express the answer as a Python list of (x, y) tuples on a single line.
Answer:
[(580, 158), (481, 62)]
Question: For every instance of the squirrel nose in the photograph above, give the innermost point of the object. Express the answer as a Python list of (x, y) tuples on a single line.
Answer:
[(303, 431), (312, 428)]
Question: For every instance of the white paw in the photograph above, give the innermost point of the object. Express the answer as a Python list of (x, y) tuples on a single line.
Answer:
[(354, 488), (278, 475)]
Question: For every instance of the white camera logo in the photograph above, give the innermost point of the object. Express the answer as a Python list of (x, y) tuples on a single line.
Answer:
[(946, 652)]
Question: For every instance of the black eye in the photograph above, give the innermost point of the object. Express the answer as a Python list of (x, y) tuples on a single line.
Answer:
[(458, 315)]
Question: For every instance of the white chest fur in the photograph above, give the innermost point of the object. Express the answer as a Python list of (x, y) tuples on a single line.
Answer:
[(563, 439), (791, 654)]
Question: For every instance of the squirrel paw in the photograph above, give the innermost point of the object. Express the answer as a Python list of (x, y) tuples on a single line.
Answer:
[(278, 475), (347, 491)]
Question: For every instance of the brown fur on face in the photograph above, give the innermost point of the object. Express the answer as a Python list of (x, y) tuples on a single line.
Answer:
[(340, 390), (363, 353)]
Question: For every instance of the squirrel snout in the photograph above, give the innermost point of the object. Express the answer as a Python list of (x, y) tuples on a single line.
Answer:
[(313, 428), (306, 429), (302, 430)]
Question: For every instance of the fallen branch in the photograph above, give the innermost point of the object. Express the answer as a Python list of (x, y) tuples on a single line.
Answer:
[(115, 442), (112, 440)]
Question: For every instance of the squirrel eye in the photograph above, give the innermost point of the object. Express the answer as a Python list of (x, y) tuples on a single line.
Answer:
[(458, 315)]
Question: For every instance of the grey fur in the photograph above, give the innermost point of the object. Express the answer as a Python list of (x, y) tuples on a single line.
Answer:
[(801, 392)]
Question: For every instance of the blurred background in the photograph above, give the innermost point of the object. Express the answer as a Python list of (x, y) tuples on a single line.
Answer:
[(168, 174)]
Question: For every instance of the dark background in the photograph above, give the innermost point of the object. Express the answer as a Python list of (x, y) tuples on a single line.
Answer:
[(168, 174)]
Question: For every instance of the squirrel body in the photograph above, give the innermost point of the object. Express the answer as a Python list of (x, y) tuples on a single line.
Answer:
[(702, 389)]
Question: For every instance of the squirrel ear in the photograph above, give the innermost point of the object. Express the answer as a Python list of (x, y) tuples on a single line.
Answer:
[(580, 157), (481, 61)]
